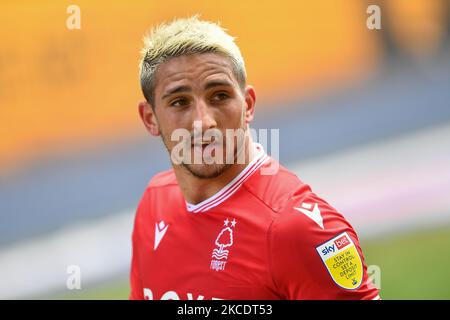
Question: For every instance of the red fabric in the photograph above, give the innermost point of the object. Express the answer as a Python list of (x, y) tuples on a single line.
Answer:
[(252, 245)]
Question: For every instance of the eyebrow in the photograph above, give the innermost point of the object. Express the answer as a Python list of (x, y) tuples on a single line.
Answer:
[(217, 83), (176, 90), (209, 85)]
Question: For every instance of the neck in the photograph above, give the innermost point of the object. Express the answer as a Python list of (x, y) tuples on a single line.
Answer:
[(195, 189)]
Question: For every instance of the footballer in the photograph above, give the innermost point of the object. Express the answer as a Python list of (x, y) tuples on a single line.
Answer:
[(236, 224)]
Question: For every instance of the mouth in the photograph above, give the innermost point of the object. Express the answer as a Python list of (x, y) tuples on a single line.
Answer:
[(201, 146)]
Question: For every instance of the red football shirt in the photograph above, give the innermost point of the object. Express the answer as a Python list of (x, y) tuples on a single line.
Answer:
[(263, 236)]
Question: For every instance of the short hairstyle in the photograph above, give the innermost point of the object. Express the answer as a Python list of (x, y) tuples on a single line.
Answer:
[(184, 37)]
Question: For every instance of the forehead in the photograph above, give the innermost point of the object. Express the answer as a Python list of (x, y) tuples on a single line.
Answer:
[(194, 69)]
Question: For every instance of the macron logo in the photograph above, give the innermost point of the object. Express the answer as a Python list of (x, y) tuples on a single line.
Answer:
[(160, 231), (313, 214)]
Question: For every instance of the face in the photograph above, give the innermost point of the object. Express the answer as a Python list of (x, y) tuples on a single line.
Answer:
[(199, 92)]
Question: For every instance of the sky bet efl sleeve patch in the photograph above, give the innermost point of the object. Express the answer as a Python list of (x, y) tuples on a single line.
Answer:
[(342, 260)]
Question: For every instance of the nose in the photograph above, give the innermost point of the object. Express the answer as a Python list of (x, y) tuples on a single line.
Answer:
[(203, 115)]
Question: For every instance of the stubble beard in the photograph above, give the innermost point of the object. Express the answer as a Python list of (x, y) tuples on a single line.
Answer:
[(213, 170)]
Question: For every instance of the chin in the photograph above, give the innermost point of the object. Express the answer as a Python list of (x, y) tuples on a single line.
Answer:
[(206, 171)]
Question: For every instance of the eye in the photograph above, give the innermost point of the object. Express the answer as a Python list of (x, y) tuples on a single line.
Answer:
[(220, 96), (179, 102)]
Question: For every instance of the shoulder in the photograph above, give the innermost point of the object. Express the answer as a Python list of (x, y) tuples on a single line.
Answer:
[(274, 185), (160, 182), (315, 252), (306, 223), (309, 220), (159, 190), (162, 179)]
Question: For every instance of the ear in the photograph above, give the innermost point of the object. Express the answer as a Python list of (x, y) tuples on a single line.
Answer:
[(250, 100), (148, 118)]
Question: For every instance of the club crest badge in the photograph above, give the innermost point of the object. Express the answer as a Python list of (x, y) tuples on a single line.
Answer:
[(342, 260), (223, 242)]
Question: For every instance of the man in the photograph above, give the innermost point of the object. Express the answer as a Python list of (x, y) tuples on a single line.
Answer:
[(240, 229)]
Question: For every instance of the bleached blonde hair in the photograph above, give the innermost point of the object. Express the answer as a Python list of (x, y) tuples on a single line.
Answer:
[(184, 37)]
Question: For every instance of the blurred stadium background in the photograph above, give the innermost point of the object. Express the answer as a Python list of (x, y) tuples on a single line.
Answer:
[(364, 118)]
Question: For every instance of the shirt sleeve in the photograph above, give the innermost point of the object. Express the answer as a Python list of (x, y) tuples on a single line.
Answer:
[(315, 253), (136, 290)]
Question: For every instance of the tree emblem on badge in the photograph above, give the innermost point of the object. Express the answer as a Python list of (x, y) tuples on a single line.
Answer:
[(224, 240)]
